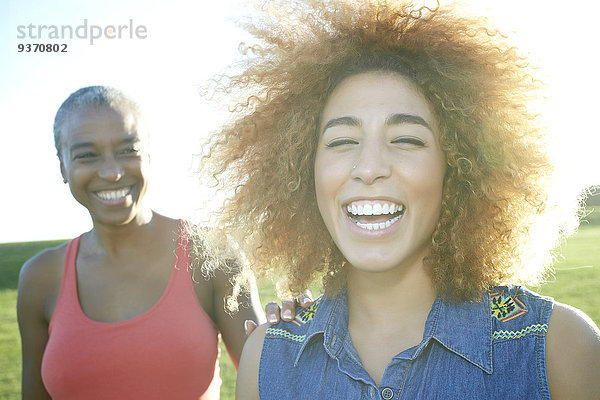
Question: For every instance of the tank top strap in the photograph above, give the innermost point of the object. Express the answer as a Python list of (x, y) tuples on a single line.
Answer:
[(72, 249), (68, 285), (182, 252)]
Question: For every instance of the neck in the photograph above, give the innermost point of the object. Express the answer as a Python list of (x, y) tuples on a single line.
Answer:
[(398, 297), (115, 239)]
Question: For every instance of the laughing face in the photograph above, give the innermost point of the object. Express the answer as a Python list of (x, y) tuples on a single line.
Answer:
[(103, 158), (379, 171)]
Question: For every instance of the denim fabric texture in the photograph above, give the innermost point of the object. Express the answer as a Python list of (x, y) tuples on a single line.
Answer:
[(491, 349)]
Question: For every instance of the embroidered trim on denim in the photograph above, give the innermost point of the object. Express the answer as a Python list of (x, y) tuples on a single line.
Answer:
[(306, 314), (543, 328), (285, 334), (505, 307)]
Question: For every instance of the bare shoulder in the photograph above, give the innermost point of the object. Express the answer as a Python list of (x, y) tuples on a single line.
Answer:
[(167, 227), (253, 345), (169, 222), (572, 327), (40, 277), (45, 267), (247, 380), (572, 354)]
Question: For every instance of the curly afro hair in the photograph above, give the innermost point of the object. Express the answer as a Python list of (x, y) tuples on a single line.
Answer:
[(497, 184)]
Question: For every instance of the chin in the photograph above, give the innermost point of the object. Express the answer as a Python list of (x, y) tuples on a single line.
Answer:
[(372, 264)]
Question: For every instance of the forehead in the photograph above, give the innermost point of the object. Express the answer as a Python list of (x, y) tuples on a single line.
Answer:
[(101, 122), (377, 93)]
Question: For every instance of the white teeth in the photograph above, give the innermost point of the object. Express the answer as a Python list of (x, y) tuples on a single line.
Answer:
[(380, 225), (113, 194), (373, 208), (377, 209)]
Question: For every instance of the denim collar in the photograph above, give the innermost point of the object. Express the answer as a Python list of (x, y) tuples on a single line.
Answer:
[(463, 328)]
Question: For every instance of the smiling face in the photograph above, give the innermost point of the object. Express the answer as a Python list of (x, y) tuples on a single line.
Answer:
[(103, 158), (379, 171)]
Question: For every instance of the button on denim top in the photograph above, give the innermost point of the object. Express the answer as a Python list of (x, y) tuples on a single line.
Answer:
[(492, 349)]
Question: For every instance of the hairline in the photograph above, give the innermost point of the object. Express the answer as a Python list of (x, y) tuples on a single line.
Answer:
[(91, 97)]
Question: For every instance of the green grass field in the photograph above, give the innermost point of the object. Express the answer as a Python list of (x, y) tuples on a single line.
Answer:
[(577, 282)]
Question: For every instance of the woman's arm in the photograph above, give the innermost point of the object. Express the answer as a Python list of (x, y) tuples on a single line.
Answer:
[(36, 281), (247, 379), (572, 355), (232, 326)]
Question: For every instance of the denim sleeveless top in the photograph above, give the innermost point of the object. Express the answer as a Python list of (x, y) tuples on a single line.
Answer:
[(491, 349)]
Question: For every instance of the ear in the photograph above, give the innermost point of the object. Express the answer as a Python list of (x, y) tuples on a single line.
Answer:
[(63, 170)]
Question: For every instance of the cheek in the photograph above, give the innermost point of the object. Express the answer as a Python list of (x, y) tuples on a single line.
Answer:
[(437, 173), (78, 180), (427, 176), (428, 184), (320, 184), (327, 182), (78, 174), (139, 166), (333, 168)]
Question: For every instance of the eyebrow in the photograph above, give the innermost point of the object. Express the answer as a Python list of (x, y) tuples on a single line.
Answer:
[(347, 121), (399, 119), (394, 119), (79, 145)]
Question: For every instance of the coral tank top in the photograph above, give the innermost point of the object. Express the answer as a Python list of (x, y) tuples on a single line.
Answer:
[(168, 352)]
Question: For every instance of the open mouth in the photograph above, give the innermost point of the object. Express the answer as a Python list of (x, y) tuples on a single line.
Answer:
[(113, 196), (374, 215)]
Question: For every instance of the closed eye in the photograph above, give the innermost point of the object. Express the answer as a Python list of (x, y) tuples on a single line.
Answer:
[(341, 142), (130, 151), (84, 156), (409, 140)]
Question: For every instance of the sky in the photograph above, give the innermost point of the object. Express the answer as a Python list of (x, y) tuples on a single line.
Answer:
[(184, 43)]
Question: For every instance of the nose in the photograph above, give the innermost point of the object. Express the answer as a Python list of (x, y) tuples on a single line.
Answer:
[(372, 163), (111, 170)]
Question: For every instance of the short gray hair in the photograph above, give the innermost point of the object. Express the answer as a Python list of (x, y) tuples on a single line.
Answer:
[(90, 96)]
